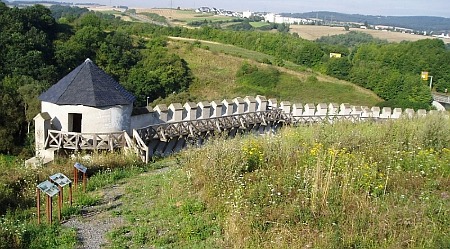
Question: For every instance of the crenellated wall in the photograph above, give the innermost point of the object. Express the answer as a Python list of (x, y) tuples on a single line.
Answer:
[(163, 129), (190, 111), (167, 129)]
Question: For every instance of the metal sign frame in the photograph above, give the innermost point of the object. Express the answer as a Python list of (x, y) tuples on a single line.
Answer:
[(50, 190), (78, 167)]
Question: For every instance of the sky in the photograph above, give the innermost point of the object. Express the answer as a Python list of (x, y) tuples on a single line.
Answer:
[(367, 7)]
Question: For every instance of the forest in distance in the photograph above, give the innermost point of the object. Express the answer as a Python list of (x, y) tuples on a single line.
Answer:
[(39, 46)]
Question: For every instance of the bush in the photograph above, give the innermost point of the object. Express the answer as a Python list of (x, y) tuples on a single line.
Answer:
[(259, 80), (404, 104)]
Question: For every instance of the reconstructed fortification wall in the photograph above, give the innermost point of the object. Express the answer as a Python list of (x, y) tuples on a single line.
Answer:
[(177, 112), (166, 129)]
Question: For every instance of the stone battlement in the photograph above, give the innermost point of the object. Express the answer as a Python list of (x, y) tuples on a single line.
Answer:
[(177, 112)]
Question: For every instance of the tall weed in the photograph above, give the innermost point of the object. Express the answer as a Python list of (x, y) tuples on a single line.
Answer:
[(340, 185)]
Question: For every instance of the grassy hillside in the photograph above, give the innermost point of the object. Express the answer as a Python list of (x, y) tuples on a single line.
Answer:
[(322, 186), (215, 66)]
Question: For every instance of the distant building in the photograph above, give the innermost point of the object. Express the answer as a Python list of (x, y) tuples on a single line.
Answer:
[(203, 10), (247, 14), (276, 18), (270, 17), (383, 27)]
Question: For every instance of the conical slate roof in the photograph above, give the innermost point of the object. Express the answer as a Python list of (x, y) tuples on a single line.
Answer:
[(87, 85)]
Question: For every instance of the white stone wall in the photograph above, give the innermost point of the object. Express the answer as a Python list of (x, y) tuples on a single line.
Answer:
[(236, 106), (94, 120), (118, 118), (143, 120)]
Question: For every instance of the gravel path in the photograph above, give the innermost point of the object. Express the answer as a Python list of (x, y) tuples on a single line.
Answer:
[(96, 221)]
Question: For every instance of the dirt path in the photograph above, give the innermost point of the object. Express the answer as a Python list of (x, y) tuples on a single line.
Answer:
[(96, 221)]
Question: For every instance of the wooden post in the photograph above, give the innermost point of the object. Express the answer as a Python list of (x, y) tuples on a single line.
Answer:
[(49, 209), (61, 196), (84, 182), (70, 194), (60, 201), (38, 204), (75, 177)]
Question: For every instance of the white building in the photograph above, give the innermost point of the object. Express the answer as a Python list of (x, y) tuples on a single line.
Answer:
[(247, 14), (88, 100)]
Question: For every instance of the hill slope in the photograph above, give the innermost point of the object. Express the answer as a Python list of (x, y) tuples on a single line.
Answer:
[(215, 66), (290, 191)]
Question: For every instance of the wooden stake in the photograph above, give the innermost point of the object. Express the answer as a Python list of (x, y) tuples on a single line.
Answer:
[(70, 194), (38, 204), (49, 209), (61, 196), (84, 182), (60, 201)]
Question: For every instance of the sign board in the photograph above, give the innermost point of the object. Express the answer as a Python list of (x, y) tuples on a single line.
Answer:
[(49, 188), (335, 55), (424, 76), (60, 179), (80, 167)]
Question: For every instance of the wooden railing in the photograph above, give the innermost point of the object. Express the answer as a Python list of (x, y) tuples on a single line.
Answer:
[(85, 141), (197, 127), (140, 147), (443, 98), (97, 141)]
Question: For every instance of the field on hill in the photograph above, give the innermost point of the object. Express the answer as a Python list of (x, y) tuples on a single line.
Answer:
[(311, 32), (182, 17), (215, 66)]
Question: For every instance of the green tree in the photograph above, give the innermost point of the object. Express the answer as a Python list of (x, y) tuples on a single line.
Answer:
[(26, 38), (12, 118), (117, 55), (309, 54), (157, 75), (339, 68), (91, 38)]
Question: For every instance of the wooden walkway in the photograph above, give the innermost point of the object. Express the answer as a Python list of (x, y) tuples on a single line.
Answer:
[(442, 98)]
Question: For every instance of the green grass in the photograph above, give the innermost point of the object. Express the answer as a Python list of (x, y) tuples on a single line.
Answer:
[(238, 52), (259, 24), (215, 66), (18, 221), (159, 217), (317, 91), (207, 18), (111, 12), (346, 185)]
